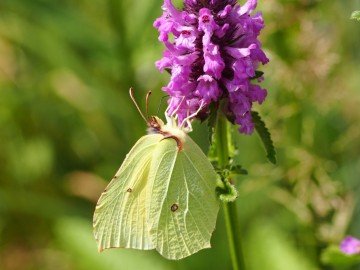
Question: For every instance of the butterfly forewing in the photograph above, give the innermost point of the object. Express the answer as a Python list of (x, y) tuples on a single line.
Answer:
[(120, 218), (183, 204)]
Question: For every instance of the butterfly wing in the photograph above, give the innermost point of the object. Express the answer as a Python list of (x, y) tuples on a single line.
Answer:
[(120, 218), (183, 204)]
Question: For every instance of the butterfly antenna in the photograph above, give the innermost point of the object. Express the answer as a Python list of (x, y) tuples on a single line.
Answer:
[(161, 100), (137, 106), (147, 103)]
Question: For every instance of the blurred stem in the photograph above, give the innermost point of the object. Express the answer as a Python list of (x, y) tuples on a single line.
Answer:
[(118, 21), (230, 212)]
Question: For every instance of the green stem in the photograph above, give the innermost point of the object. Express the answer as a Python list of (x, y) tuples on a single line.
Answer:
[(232, 227), (231, 219)]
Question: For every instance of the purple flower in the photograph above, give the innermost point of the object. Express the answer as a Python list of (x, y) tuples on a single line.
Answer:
[(213, 53), (350, 245)]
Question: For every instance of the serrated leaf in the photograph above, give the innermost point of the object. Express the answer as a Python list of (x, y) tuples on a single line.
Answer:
[(230, 171), (226, 191), (355, 15), (265, 136), (237, 170)]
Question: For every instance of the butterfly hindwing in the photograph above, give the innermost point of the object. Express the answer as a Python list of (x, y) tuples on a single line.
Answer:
[(183, 204)]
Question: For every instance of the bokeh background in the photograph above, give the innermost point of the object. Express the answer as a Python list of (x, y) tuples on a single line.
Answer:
[(67, 122)]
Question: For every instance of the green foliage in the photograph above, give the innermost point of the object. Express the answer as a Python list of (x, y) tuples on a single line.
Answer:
[(333, 256), (258, 74), (66, 123), (74, 236), (226, 191), (355, 15), (229, 133), (272, 249), (264, 136)]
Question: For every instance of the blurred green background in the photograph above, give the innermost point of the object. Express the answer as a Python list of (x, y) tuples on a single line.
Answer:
[(66, 123)]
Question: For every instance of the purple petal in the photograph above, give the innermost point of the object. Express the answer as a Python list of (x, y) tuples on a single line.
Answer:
[(187, 38), (214, 64), (256, 93), (248, 7), (246, 124), (208, 89), (240, 52), (206, 21), (225, 12), (350, 245), (206, 25), (163, 63), (171, 9)]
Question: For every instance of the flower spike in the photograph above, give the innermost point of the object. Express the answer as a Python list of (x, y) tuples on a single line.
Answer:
[(214, 54)]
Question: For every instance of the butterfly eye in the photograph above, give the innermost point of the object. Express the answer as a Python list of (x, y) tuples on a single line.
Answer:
[(129, 190), (154, 123), (174, 207)]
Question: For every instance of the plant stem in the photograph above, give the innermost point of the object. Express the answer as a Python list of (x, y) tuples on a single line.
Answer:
[(232, 227), (231, 219)]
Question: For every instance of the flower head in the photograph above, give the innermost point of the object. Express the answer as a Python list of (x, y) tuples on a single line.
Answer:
[(350, 245), (213, 54)]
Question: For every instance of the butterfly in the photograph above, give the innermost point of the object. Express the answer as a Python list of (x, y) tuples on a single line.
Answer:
[(162, 197)]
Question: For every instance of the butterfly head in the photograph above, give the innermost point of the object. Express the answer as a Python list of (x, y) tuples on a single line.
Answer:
[(155, 125)]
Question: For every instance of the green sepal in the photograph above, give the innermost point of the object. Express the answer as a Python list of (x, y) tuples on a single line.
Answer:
[(168, 70), (226, 191), (264, 136), (355, 15), (258, 74), (230, 171), (236, 170)]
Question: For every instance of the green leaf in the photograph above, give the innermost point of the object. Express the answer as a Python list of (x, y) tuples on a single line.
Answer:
[(237, 170), (265, 136), (226, 191), (355, 15), (333, 256), (258, 74)]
